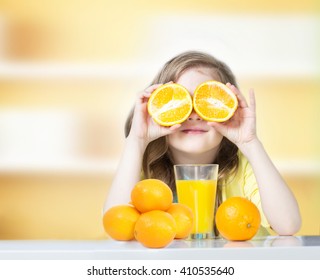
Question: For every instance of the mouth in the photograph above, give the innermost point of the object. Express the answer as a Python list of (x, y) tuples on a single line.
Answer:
[(194, 131)]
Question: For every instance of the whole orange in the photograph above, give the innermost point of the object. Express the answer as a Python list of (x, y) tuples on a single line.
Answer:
[(151, 194), (155, 229), (183, 216), (119, 222), (238, 219)]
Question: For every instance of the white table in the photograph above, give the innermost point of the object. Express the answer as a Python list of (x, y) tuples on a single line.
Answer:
[(269, 248)]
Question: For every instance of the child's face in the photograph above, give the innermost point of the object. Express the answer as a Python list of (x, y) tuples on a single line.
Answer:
[(195, 140)]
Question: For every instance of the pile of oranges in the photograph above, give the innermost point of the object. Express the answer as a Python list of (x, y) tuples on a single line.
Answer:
[(151, 218)]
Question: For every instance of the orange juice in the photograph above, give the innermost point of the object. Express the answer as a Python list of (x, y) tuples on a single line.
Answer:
[(200, 196)]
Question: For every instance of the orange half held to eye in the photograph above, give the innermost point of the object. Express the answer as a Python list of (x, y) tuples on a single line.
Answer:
[(214, 101), (170, 104)]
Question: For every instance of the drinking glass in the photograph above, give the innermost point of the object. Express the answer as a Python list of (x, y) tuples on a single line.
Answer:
[(196, 187)]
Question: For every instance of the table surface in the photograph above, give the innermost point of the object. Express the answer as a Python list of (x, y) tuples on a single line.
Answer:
[(271, 247)]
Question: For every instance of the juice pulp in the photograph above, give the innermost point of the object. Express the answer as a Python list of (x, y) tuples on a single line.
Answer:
[(200, 196)]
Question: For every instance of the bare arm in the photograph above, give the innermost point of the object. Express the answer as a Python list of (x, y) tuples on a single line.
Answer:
[(127, 174), (277, 200), (143, 131)]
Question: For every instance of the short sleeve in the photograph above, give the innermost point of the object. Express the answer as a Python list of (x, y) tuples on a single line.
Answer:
[(251, 190)]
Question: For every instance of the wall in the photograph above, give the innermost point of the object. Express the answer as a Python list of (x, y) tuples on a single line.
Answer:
[(69, 72)]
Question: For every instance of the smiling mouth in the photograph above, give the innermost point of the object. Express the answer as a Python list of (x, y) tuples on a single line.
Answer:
[(194, 131)]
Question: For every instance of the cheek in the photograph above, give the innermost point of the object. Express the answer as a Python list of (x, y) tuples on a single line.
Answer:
[(215, 137), (173, 140)]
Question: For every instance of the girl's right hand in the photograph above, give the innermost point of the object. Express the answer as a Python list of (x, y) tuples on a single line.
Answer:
[(143, 126)]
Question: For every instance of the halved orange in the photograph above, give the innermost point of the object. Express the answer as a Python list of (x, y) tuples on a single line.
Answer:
[(170, 104), (214, 101)]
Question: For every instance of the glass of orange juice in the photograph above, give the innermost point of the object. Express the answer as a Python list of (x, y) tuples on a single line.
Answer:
[(196, 187)]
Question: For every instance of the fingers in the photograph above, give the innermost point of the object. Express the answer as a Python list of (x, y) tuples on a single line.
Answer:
[(143, 96), (150, 89), (169, 130), (241, 99), (175, 127), (220, 127), (216, 124), (252, 99)]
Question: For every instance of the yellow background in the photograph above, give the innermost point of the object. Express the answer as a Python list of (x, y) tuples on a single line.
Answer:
[(84, 61)]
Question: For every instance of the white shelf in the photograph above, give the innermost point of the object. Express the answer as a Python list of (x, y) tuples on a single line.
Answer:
[(305, 167), (84, 166), (19, 70), (79, 167), (263, 248), (46, 141), (280, 46)]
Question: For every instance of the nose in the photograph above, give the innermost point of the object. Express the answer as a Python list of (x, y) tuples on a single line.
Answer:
[(194, 117)]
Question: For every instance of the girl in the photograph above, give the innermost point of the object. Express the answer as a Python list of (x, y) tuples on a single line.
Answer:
[(245, 169)]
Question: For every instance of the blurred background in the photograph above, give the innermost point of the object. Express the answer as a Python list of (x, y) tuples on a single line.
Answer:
[(69, 73)]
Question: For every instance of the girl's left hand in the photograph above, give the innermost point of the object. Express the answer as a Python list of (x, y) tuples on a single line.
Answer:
[(241, 128)]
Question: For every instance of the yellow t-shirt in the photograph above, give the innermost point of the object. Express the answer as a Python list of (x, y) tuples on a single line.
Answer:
[(244, 184)]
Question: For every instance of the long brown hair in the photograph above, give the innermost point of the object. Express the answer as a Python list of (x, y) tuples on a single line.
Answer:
[(157, 162)]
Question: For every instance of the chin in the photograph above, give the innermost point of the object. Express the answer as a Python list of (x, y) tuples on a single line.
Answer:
[(194, 149), (194, 145)]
